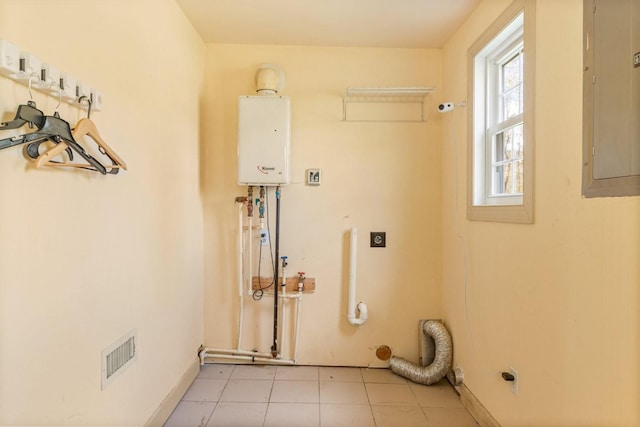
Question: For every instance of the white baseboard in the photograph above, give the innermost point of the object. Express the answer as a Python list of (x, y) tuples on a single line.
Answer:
[(475, 408), (162, 413)]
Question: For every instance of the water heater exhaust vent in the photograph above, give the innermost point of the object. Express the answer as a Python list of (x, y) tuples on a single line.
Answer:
[(270, 79)]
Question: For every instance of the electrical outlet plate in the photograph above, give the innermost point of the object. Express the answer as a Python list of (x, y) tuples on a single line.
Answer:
[(378, 239)]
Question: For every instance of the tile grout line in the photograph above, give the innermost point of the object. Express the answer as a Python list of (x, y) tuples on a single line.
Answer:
[(366, 391), (266, 412), (226, 383)]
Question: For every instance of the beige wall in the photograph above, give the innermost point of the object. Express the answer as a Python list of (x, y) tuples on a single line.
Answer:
[(557, 300), (86, 258), (376, 177)]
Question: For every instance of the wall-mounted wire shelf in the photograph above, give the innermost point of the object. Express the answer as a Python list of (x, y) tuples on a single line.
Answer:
[(414, 94)]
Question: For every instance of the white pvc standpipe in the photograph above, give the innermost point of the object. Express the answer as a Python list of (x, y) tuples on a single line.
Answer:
[(295, 338), (362, 307), (250, 279), (240, 275), (283, 329), (251, 357)]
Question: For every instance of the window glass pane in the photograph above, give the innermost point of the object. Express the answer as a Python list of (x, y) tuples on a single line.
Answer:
[(518, 141), (512, 86), (518, 168), (507, 144), (511, 73), (508, 166), (507, 179), (512, 103)]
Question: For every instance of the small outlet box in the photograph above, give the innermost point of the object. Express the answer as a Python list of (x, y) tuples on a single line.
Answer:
[(378, 239), (636, 60), (313, 177), (264, 237)]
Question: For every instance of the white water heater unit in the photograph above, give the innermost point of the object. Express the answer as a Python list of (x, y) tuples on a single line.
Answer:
[(264, 138)]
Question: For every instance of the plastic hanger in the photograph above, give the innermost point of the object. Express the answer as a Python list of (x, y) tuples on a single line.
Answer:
[(26, 114)]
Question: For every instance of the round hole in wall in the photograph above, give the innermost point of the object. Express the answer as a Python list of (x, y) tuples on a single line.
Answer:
[(383, 352)]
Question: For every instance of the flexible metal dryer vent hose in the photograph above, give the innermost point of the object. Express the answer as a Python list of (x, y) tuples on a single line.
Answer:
[(441, 363)]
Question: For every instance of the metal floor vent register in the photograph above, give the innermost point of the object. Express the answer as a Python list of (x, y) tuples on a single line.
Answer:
[(118, 357)]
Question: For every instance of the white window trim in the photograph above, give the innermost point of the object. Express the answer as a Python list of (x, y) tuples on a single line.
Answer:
[(518, 209)]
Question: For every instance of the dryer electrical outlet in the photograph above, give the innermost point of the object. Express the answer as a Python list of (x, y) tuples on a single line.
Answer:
[(264, 138)]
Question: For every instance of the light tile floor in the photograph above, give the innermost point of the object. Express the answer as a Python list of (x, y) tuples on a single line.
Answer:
[(310, 396)]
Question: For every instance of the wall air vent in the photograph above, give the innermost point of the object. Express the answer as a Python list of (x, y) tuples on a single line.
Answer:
[(118, 357)]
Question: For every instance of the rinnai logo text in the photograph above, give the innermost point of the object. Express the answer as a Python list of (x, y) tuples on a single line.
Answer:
[(265, 169)]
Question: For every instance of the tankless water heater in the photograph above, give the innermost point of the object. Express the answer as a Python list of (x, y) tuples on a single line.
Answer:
[(264, 137)]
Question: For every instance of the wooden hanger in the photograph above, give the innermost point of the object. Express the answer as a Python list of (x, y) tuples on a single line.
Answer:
[(84, 127), (58, 130)]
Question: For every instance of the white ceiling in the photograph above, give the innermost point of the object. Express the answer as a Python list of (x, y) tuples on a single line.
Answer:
[(375, 23)]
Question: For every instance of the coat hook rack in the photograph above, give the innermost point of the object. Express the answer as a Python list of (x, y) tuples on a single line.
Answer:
[(24, 67)]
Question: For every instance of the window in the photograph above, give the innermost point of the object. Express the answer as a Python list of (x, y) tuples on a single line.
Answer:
[(501, 108), (611, 86)]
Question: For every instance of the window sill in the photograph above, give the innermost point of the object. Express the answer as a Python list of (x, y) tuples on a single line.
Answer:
[(517, 214)]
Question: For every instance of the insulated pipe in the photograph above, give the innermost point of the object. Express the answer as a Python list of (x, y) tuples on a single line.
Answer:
[(250, 202), (441, 364), (362, 307)]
